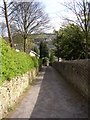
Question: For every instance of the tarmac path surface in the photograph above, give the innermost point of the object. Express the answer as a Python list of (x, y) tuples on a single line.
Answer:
[(51, 97)]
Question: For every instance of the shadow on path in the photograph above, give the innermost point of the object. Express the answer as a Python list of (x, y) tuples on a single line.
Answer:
[(56, 99)]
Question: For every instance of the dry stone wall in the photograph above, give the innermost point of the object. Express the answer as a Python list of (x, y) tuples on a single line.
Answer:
[(77, 73), (11, 90)]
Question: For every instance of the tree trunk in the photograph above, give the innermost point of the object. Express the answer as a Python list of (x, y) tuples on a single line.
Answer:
[(8, 26), (24, 43), (25, 40), (86, 29)]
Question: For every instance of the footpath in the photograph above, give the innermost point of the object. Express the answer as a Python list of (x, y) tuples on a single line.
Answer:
[(51, 97)]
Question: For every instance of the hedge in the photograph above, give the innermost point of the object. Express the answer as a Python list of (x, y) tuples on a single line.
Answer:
[(14, 63)]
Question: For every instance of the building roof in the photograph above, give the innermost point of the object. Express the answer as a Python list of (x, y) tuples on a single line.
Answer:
[(34, 53)]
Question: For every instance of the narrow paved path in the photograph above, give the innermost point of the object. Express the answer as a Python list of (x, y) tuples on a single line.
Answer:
[(51, 97)]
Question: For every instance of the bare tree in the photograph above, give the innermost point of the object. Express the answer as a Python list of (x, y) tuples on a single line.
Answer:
[(7, 12), (81, 9), (7, 22), (2, 28), (30, 18)]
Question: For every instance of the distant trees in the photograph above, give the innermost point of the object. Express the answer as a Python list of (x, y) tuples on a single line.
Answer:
[(35, 49), (44, 51), (2, 28), (81, 9), (69, 43), (57, 45), (52, 57)]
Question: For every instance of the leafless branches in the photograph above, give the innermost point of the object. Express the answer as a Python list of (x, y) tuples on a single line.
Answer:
[(30, 17), (7, 23), (2, 28), (81, 11)]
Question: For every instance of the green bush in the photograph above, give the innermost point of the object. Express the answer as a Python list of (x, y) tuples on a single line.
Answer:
[(14, 63), (35, 60), (40, 62)]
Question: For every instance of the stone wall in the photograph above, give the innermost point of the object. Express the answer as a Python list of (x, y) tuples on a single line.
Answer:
[(76, 72), (11, 90)]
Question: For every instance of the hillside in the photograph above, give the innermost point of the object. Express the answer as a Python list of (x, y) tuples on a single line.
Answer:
[(33, 40)]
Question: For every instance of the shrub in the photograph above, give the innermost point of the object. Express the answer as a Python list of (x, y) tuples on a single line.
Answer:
[(40, 62), (14, 63), (35, 60)]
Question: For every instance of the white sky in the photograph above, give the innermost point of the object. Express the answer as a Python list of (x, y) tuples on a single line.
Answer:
[(56, 12)]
